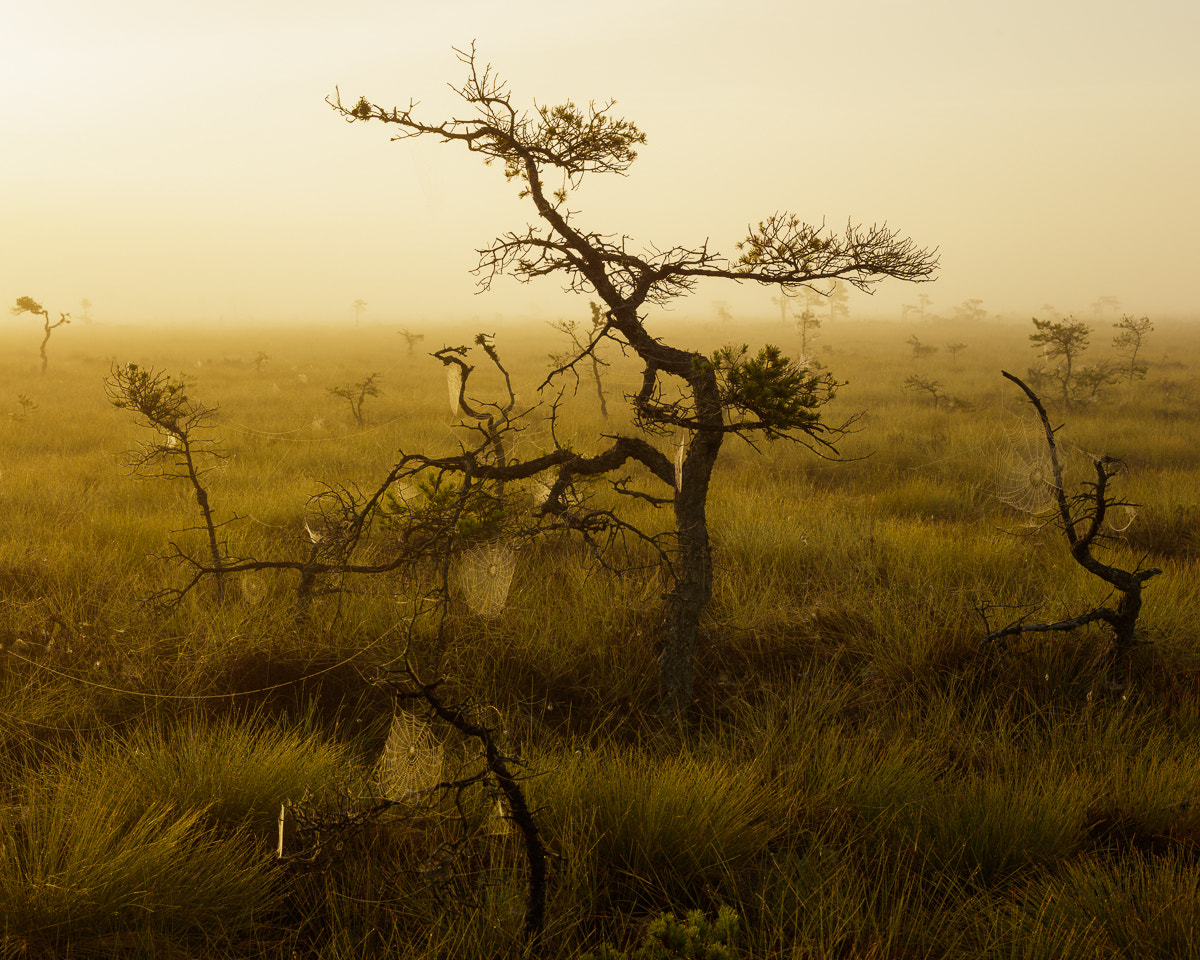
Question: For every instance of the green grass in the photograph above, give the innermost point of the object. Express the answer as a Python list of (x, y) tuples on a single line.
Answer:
[(859, 776)]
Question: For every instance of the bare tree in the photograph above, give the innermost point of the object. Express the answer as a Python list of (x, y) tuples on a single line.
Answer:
[(732, 393), (359, 306), (1083, 519), (29, 305), (583, 344), (1130, 338), (357, 394)]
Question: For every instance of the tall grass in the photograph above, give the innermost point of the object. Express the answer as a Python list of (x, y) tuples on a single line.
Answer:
[(860, 776)]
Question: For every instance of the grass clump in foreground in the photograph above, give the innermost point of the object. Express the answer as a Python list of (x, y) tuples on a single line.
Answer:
[(857, 778)]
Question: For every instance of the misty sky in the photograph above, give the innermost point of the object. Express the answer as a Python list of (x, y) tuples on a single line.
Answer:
[(175, 160)]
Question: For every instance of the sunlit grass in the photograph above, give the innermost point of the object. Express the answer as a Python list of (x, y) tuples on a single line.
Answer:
[(861, 775)]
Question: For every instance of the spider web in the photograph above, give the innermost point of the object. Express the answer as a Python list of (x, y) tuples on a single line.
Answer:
[(485, 574), (1026, 473), (253, 587), (412, 758), (454, 386)]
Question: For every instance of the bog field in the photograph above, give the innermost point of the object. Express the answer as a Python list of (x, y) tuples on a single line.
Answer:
[(235, 768)]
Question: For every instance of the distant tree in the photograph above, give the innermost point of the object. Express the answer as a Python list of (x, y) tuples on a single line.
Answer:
[(970, 311), (357, 394), (29, 305), (584, 344), (1106, 304), (785, 302), (27, 407), (839, 301), (411, 338), (920, 351), (260, 359), (923, 300), (703, 397), (1130, 338), (1063, 343), (87, 305), (922, 384), (811, 299), (359, 306), (954, 349), (807, 325), (721, 307)]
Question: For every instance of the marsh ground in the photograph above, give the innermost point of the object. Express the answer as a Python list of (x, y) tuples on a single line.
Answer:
[(857, 778)]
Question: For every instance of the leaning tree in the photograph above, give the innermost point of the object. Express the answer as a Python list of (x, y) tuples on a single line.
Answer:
[(548, 151), (29, 305)]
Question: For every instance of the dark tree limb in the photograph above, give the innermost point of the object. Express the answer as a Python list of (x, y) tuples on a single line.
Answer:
[(1081, 518)]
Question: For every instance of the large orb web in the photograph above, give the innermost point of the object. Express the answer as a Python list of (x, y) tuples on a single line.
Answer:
[(454, 386), (1026, 475), (412, 759), (485, 574)]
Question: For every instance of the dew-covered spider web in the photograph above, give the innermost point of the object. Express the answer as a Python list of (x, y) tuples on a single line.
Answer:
[(485, 574), (412, 758), (253, 586), (454, 386), (1026, 475)]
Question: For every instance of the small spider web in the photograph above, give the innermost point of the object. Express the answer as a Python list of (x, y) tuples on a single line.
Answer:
[(498, 822), (485, 574), (253, 587), (1120, 516), (412, 758)]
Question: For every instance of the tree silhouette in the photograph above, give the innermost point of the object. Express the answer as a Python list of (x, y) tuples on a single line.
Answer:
[(839, 301), (1130, 338), (412, 339), (734, 392), (579, 343), (29, 305), (1066, 341), (970, 311), (359, 306)]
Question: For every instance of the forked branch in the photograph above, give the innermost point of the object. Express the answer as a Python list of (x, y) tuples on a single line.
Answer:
[(1081, 517)]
